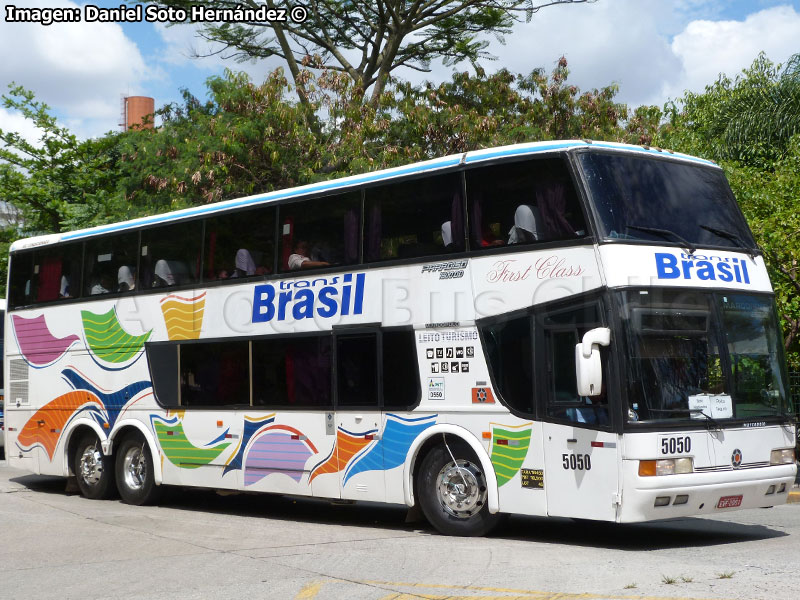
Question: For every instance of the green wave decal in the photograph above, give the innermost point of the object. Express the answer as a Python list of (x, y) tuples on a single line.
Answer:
[(108, 340), (509, 449), (179, 450)]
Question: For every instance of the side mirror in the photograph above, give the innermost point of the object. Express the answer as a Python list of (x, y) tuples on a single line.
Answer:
[(588, 368)]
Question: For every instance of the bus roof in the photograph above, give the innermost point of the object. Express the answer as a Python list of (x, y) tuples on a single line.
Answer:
[(475, 156)]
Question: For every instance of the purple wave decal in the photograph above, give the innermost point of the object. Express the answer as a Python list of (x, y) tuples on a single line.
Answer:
[(39, 347), (280, 449)]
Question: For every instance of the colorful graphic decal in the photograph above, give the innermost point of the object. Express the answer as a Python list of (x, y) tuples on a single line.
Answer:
[(39, 347), (108, 340), (510, 445), (347, 445), (183, 316), (112, 402), (179, 450), (280, 449), (251, 426), (391, 450), (46, 425)]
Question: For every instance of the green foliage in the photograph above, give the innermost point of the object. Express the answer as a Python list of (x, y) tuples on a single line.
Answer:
[(60, 181), (751, 125)]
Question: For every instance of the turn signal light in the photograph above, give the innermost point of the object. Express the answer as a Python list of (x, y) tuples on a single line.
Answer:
[(665, 466)]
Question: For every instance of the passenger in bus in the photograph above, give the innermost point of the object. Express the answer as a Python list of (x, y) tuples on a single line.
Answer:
[(163, 274), (489, 239), (125, 279), (447, 235), (64, 291), (103, 286), (525, 229), (300, 259), (245, 265)]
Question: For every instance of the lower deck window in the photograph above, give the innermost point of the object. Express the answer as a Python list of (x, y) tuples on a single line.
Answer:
[(214, 374)]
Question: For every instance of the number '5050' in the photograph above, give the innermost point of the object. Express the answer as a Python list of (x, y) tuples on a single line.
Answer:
[(576, 462)]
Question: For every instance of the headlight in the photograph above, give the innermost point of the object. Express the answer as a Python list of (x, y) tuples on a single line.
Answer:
[(665, 466), (783, 456)]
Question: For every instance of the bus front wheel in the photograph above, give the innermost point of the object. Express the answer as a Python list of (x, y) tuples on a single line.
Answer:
[(93, 470), (135, 477), (452, 494)]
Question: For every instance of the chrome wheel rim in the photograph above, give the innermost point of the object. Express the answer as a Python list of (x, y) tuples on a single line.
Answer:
[(91, 465), (461, 489), (134, 468)]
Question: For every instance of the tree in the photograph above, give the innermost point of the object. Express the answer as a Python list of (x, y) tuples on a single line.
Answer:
[(59, 182), (367, 41), (751, 126), (750, 119)]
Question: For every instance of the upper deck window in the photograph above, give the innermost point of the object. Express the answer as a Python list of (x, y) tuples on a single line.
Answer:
[(110, 264), (319, 233), (170, 255), (523, 203), (416, 218), (239, 244), (663, 201)]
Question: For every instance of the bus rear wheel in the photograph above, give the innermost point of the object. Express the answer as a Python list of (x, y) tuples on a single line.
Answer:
[(452, 494), (93, 470), (135, 477)]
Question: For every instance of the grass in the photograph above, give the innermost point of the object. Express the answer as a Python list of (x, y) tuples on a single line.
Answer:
[(669, 580), (630, 586), (725, 575)]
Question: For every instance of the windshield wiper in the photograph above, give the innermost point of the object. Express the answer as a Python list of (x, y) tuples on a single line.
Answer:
[(665, 233), (709, 420), (729, 235)]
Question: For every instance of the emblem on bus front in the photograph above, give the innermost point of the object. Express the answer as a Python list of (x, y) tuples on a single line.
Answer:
[(736, 458)]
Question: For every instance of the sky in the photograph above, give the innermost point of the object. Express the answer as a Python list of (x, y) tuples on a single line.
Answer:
[(653, 49)]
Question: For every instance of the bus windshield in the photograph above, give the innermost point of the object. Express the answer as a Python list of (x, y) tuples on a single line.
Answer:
[(701, 356), (641, 198)]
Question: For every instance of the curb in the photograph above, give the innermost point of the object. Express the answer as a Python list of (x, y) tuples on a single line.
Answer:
[(794, 497)]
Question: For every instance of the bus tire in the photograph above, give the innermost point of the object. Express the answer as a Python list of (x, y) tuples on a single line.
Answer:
[(453, 498), (93, 470), (135, 477)]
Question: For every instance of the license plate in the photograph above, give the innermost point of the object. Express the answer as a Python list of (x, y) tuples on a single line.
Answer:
[(729, 501)]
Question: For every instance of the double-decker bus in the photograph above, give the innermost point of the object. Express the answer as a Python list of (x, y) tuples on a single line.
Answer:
[(576, 329)]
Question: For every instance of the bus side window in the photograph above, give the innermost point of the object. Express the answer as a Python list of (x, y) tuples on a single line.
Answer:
[(328, 228), (562, 331), (19, 292), (526, 202), (104, 259), (357, 370), (239, 244), (507, 345), (401, 388), (292, 372), (170, 255), (414, 218), (214, 374)]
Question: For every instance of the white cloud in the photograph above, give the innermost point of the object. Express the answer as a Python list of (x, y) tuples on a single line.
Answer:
[(611, 41), (13, 121), (78, 68), (707, 48), (653, 49)]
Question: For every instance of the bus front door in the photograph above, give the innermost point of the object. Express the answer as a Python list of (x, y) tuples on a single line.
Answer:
[(581, 451)]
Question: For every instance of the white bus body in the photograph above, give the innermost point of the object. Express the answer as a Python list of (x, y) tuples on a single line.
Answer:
[(311, 373)]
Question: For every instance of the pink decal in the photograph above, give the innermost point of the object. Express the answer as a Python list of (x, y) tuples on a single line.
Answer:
[(38, 346)]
